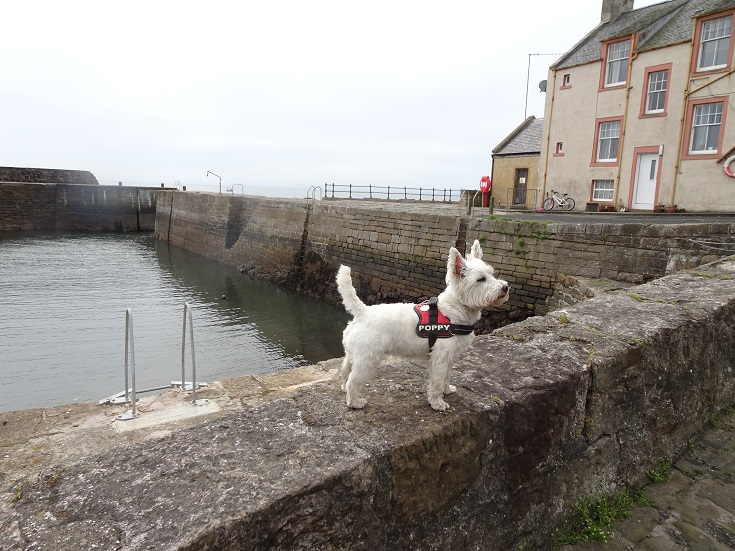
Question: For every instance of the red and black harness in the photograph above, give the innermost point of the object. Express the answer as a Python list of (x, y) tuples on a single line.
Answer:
[(434, 325)]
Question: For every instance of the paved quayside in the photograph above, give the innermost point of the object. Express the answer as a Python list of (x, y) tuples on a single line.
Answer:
[(694, 510)]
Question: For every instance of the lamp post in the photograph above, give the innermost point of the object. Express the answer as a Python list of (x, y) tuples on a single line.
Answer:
[(220, 180)]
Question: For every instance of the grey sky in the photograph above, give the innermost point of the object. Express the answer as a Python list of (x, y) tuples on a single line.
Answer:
[(276, 94)]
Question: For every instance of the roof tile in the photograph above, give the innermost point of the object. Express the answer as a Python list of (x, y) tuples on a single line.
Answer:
[(523, 140), (668, 22)]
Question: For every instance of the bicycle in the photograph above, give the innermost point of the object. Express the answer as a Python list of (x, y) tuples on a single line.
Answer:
[(566, 203)]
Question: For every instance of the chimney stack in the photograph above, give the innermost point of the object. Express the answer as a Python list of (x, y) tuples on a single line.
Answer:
[(611, 9)]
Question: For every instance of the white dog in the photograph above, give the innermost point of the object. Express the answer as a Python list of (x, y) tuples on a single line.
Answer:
[(399, 329)]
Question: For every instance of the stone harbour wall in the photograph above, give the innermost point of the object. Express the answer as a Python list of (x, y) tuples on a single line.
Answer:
[(34, 206), (548, 411), (46, 176), (402, 255)]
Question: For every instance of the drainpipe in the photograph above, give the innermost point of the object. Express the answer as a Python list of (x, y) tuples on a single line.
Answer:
[(492, 176), (687, 93), (616, 187), (709, 83), (548, 141)]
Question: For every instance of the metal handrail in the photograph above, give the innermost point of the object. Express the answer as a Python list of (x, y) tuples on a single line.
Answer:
[(311, 192), (513, 196), (470, 202), (132, 414), (184, 385), (232, 189), (129, 394), (390, 193)]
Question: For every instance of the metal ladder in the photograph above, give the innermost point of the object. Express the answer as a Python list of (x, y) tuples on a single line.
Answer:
[(183, 384), (129, 394)]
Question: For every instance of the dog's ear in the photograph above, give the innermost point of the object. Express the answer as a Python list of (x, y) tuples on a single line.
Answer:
[(476, 251), (455, 265)]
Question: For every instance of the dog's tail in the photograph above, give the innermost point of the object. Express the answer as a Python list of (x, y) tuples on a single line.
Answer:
[(352, 302)]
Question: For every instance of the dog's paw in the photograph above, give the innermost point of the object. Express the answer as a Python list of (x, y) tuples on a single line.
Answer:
[(357, 403), (439, 405), (450, 389)]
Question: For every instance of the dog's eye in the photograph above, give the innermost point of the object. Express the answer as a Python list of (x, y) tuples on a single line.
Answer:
[(483, 278)]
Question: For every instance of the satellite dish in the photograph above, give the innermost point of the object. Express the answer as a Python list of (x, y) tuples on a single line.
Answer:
[(542, 86)]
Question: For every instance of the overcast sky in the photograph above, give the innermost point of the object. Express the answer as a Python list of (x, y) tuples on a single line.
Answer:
[(276, 94)]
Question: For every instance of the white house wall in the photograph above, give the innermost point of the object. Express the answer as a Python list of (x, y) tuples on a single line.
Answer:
[(573, 124), (701, 184), (662, 131)]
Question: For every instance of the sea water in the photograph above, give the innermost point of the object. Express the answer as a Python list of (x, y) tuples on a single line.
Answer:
[(63, 301)]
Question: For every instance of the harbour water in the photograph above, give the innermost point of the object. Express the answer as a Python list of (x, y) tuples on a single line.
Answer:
[(63, 298)]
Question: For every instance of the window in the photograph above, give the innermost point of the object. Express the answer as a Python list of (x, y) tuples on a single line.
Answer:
[(602, 190), (607, 141), (616, 72), (652, 173), (704, 128), (559, 148), (705, 132), (656, 96), (566, 81), (655, 91), (714, 44)]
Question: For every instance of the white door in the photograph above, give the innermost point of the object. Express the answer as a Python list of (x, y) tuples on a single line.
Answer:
[(646, 171)]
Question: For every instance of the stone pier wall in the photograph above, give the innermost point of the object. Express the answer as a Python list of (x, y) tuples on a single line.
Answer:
[(41, 206), (46, 176), (402, 255)]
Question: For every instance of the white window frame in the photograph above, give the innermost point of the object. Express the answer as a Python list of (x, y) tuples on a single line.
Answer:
[(657, 88), (616, 66), (705, 122), (607, 134), (714, 38), (600, 193)]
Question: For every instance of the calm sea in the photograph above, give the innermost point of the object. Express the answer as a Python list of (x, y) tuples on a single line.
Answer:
[(63, 298)]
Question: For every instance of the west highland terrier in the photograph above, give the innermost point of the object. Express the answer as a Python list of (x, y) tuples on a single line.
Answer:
[(418, 331)]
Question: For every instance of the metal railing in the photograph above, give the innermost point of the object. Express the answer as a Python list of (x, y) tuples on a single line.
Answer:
[(232, 189), (390, 193), (468, 202), (520, 198), (129, 341), (311, 193), (129, 394), (193, 385)]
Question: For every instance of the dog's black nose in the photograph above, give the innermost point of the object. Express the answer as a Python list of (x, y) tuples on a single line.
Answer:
[(505, 288)]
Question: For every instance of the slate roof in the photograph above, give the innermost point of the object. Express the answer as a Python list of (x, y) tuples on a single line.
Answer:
[(526, 139), (660, 25)]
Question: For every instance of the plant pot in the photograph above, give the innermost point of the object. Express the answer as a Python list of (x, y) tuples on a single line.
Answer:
[(670, 208), (658, 208)]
